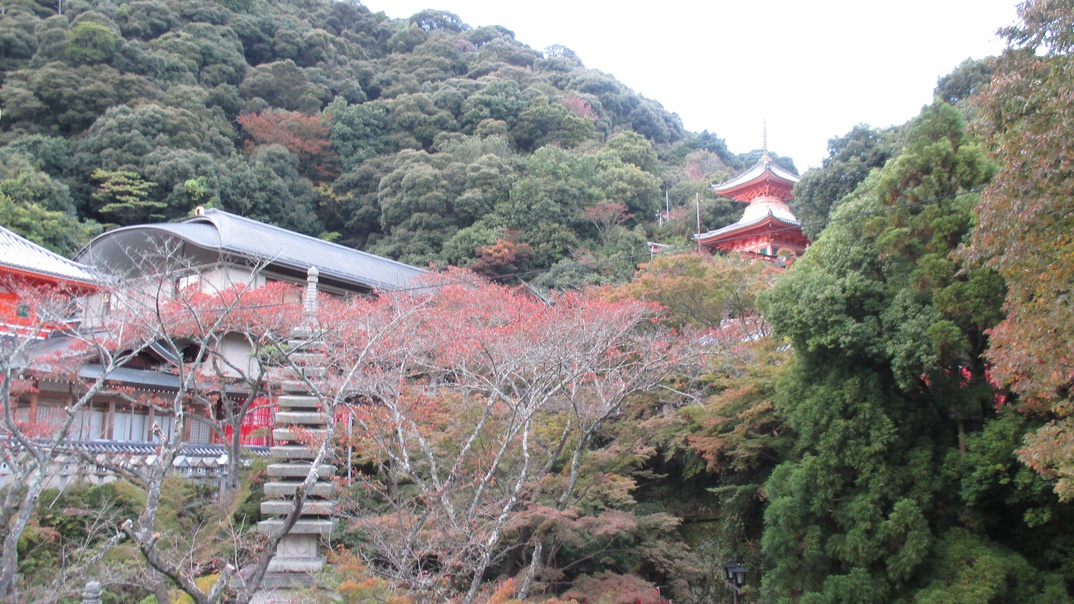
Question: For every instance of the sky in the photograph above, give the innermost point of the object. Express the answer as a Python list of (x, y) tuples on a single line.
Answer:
[(809, 69)]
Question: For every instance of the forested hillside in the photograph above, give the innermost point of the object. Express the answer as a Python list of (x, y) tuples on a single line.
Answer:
[(422, 139), (888, 419)]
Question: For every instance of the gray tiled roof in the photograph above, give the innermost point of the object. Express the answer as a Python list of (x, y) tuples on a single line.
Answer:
[(742, 225), (758, 169), (143, 378), (236, 236), (149, 448), (24, 255)]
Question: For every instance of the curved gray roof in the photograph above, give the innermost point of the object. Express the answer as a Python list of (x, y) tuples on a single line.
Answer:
[(765, 165), (742, 224), (232, 235)]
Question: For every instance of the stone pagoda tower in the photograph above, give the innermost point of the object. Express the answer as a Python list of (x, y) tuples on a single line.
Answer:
[(300, 419)]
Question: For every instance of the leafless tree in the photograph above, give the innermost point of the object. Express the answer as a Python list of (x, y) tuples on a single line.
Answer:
[(28, 450)]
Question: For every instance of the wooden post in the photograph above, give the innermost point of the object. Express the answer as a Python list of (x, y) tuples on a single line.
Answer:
[(32, 419)]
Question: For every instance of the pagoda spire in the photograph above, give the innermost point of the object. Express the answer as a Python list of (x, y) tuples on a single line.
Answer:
[(764, 142)]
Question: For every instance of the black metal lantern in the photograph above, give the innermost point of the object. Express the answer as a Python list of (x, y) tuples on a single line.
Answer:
[(735, 577), (738, 575)]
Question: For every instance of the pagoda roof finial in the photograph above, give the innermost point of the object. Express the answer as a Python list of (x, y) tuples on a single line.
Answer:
[(764, 142)]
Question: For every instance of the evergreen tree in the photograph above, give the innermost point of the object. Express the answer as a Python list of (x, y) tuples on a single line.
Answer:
[(125, 197), (889, 335)]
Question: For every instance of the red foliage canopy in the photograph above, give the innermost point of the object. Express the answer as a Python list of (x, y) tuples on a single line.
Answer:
[(304, 135)]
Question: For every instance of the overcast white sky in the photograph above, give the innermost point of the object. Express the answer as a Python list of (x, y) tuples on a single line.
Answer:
[(812, 68)]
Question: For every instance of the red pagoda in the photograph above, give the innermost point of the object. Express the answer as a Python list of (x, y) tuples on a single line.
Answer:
[(767, 226)]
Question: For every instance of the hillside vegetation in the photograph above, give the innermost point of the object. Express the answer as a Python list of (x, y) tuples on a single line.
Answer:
[(422, 139), (890, 419)]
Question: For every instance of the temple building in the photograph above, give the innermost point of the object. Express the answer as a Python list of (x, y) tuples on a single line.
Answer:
[(26, 266), (767, 226), (212, 249)]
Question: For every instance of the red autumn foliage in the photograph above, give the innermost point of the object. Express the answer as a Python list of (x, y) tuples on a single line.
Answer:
[(607, 215), (615, 589), (199, 312), (579, 106), (455, 385), (304, 135), (501, 258)]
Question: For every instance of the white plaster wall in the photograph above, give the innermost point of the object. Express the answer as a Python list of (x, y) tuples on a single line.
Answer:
[(236, 350)]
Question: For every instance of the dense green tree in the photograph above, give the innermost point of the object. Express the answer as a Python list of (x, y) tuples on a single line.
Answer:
[(354, 209), (488, 183), (408, 35), (545, 121), (59, 99), (497, 100), (268, 186), (288, 39), (416, 188), (633, 148), (47, 153), (137, 139), (707, 141), (25, 184), (1006, 501), (889, 334), (89, 43), (850, 159), (650, 120), (555, 187), (57, 231), (211, 53), (452, 93), (171, 170), (438, 20), (18, 40), (414, 121), (603, 87), (357, 132), (462, 247), (969, 78), (255, 34), (971, 569), (282, 84), (505, 51), (628, 184), (751, 158), (124, 197), (701, 290), (550, 242), (569, 274), (146, 19)]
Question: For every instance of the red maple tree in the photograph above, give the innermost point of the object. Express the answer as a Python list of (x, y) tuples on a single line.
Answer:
[(304, 135)]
